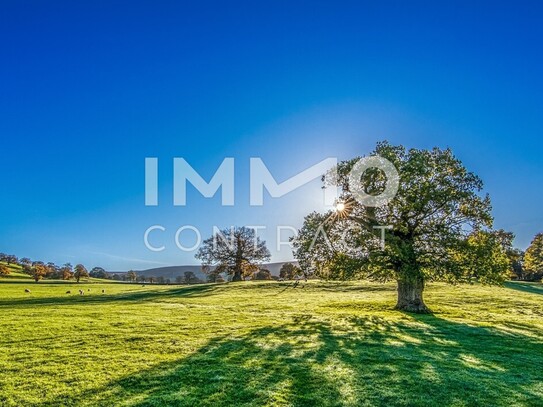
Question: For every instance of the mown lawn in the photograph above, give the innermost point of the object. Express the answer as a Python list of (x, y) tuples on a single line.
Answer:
[(328, 344)]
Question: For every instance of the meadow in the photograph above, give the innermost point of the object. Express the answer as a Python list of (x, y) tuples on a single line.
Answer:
[(268, 343)]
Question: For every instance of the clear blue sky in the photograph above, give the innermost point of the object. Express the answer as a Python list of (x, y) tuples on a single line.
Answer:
[(89, 90)]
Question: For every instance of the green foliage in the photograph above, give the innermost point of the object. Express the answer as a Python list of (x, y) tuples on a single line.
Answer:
[(483, 258), (262, 274), (236, 251), (25, 261), (190, 278), (8, 258), (342, 267), (533, 259), (437, 206), (289, 271), (98, 272), (213, 277)]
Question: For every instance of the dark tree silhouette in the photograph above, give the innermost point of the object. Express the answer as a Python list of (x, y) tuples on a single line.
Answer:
[(98, 272), (80, 271), (289, 270), (236, 251)]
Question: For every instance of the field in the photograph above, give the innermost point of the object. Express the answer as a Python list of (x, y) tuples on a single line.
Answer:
[(268, 343)]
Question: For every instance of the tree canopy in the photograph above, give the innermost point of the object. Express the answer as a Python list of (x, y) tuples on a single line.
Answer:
[(236, 251), (132, 276), (98, 272), (289, 270), (533, 259), (4, 270), (436, 226), (80, 271)]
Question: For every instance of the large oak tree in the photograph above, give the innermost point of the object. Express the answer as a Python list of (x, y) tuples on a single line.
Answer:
[(235, 251), (80, 271), (439, 227)]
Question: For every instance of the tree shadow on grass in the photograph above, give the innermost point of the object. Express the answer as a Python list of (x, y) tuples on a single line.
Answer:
[(285, 286), (417, 361), (532, 288), (127, 296)]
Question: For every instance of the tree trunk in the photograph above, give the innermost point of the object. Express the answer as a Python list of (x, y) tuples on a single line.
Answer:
[(410, 296), (238, 270)]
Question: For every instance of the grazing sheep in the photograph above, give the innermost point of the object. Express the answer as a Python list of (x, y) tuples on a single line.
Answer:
[(81, 292), (103, 291), (27, 290), (68, 292)]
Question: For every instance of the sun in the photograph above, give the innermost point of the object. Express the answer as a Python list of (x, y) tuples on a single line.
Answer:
[(340, 207)]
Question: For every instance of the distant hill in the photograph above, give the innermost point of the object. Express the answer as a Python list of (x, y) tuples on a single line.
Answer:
[(172, 272), (16, 272)]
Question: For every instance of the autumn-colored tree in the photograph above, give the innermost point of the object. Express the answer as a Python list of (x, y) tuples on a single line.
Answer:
[(53, 271), (67, 271), (38, 271), (4, 270), (80, 272)]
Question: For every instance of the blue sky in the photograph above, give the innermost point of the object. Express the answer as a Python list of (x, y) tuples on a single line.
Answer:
[(89, 90)]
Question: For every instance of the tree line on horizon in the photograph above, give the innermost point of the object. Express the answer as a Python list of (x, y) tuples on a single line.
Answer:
[(522, 265), (40, 270), (441, 229)]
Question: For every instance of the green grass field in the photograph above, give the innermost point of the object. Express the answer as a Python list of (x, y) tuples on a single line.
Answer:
[(265, 343)]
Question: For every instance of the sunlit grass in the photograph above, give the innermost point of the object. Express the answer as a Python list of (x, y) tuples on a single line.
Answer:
[(268, 344)]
